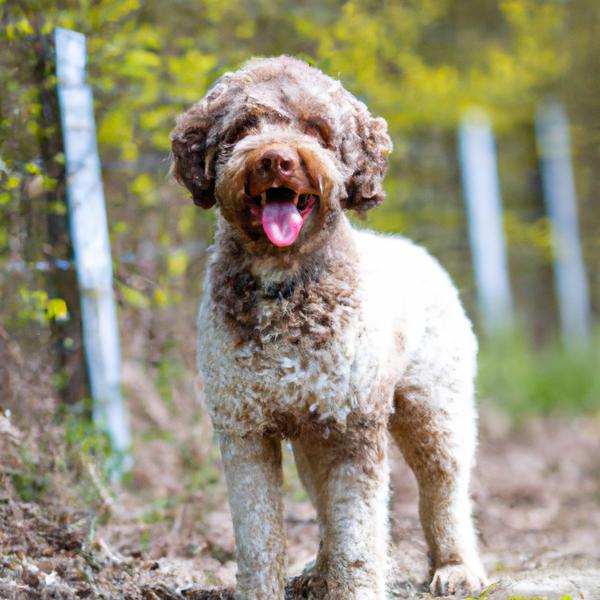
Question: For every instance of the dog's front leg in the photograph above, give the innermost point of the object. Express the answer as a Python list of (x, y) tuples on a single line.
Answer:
[(349, 474), (253, 472)]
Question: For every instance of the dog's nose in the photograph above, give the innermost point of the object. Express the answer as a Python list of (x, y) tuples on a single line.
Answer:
[(279, 161)]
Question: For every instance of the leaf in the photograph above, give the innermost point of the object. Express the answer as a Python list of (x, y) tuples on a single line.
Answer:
[(56, 309), (134, 297), (177, 263)]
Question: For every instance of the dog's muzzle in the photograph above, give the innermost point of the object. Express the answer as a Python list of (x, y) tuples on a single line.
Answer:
[(281, 193)]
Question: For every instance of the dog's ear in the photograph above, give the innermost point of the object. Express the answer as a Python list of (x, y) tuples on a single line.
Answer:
[(194, 144), (366, 147)]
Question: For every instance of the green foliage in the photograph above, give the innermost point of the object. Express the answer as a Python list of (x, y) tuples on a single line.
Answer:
[(30, 481), (133, 297), (89, 450), (484, 594), (67, 451), (388, 53), (556, 378), (565, 597), (36, 306)]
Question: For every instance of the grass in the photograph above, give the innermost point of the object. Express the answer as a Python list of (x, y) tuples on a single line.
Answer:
[(525, 381)]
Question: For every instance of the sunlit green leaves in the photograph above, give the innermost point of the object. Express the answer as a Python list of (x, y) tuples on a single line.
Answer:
[(18, 28), (115, 129), (144, 187), (35, 305), (177, 263), (524, 380), (382, 54), (133, 297), (56, 309), (189, 73)]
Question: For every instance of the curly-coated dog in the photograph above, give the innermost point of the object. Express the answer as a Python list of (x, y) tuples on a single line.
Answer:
[(327, 336)]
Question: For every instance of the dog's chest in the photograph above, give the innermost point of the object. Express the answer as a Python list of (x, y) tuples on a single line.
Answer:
[(302, 359)]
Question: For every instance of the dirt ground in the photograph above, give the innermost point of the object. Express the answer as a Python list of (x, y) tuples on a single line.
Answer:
[(536, 492)]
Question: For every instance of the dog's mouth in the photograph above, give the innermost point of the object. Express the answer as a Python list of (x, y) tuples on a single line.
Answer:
[(282, 212)]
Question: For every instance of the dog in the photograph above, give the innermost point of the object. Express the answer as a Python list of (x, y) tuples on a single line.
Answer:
[(324, 335)]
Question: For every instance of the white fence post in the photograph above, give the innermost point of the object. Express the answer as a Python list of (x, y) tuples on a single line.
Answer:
[(481, 188), (91, 245), (552, 132)]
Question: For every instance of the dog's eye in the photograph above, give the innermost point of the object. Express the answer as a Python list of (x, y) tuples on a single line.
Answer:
[(236, 135), (241, 129), (317, 130)]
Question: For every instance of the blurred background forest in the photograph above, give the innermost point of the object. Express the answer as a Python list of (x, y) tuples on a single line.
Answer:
[(419, 63)]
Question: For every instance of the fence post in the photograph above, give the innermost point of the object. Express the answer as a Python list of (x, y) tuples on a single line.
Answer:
[(552, 132), (89, 234), (481, 189)]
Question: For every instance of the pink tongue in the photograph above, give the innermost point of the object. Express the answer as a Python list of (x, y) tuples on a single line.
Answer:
[(282, 222)]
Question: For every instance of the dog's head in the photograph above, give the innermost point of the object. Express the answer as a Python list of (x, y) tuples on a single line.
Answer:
[(281, 148)]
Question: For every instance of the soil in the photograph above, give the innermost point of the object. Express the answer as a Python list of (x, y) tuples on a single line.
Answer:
[(536, 492)]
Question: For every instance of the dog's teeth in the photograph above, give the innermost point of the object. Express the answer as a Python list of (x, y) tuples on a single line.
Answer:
[(320, 181)]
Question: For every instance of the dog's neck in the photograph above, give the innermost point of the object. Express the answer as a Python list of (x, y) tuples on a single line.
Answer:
[(303, 299)]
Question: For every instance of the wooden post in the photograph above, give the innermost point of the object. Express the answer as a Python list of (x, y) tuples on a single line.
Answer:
[(552, 132), (481, 187), (89, 234)]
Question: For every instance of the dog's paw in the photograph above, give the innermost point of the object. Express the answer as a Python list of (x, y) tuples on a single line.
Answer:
[(309, 585), (456, 579)]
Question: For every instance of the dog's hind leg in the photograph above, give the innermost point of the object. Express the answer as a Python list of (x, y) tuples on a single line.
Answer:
[(438, 442), (348, 475), (254, 478)]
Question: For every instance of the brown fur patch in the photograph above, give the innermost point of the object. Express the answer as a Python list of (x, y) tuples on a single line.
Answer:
[(416, 428), (300, 308)]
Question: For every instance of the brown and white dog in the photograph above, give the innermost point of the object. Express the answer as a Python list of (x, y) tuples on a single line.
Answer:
[(327, 336)]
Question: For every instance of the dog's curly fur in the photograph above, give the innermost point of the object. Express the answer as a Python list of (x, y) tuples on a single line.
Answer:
[(332, 341)]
